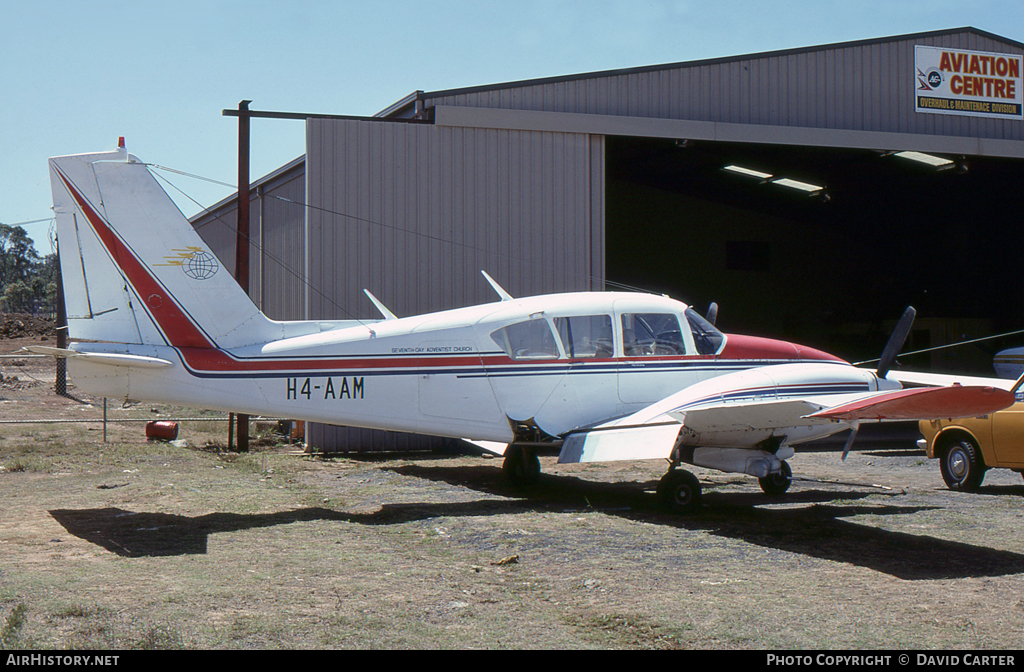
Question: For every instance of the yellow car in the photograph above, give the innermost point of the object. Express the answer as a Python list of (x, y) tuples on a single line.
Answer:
[(967, 447)]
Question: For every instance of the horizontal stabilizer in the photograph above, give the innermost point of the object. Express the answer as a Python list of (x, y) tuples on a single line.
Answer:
[(927, 403), (107, 358)]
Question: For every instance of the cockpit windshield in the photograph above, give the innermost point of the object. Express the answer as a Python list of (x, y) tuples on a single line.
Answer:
[(707, 339), (651, 334)]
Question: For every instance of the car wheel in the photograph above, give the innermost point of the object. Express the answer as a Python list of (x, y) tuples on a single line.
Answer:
[(961, 466)]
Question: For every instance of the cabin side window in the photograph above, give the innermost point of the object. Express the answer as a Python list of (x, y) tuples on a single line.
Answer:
[(651, 334), (706, 337), (586, 335), (532, 339)]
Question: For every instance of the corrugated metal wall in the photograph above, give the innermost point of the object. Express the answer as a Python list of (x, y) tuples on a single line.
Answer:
[(283, 245), (277, 241), (414, 212), (859, 86)]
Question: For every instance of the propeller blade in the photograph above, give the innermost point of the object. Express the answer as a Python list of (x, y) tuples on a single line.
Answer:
[(896, 341), (849, 442), (712, 313)]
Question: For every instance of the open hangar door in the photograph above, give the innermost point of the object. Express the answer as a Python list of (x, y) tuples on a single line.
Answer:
[(834, 267)]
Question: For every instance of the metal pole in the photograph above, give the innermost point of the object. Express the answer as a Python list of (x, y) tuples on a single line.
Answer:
[(104, 419), (242, 239), (60, 384)]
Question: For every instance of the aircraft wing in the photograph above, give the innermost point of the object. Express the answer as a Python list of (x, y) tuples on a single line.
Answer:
[(748, 423), (922, 403), (925, 378)]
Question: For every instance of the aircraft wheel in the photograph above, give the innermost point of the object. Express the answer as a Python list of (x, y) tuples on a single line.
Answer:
[(961, 466), (776, 485), (679, 491), (521, 466)]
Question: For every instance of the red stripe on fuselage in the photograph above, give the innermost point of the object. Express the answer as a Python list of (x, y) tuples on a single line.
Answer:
[(209, 360)]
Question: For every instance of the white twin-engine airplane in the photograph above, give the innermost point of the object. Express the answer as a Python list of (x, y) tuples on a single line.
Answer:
[(603, 375)]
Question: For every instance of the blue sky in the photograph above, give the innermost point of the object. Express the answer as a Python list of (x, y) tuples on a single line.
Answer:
[(75, 75)]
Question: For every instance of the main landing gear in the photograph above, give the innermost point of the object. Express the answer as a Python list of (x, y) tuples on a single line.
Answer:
[(521, 466), (679, 491), (776, 485)]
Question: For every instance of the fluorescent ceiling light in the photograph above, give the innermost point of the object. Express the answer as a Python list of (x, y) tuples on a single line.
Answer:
[(748, 171), (795, 184), (936, 161)]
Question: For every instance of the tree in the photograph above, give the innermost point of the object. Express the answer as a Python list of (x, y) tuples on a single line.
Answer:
[(27, 283), (17, 254), (17, 297)]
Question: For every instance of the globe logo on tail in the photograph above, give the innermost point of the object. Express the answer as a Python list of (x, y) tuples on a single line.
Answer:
[(196, 263), (200, 266)]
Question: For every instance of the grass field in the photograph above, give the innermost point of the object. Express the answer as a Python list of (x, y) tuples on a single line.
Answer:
[(147, 545), (128, 544)]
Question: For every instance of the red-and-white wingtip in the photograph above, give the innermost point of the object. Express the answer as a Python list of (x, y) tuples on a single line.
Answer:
[(923, 403)]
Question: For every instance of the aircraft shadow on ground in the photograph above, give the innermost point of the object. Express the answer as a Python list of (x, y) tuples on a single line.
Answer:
[(816, 530), (134, 534)]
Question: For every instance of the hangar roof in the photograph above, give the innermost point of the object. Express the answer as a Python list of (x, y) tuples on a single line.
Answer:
[(727, 59), (866, 87)]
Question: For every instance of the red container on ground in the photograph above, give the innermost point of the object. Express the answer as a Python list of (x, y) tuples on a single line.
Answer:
[(162, 430)]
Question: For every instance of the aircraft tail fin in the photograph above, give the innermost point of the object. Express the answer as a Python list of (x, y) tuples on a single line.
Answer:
[(134, 269)]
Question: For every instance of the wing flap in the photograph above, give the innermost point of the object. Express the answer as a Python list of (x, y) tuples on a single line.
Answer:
[(615, 443), (493, 447)]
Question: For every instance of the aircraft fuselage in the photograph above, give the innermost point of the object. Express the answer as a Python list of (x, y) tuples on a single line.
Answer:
[(521, 370)]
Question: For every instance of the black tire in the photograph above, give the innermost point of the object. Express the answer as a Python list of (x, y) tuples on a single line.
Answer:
[(776, 485), (679, 492), (521, 466), (961, 465)]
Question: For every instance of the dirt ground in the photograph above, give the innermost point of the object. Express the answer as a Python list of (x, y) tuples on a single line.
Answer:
[(130, 544)]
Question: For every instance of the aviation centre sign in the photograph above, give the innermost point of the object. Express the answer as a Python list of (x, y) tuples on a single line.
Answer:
[(971, 83)]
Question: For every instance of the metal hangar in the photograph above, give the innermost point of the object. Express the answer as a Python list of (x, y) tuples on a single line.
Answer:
[(813, 193)]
